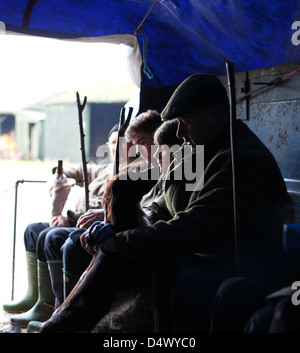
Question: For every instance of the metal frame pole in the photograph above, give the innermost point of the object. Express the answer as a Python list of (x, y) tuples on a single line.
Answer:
[(15, 228), (14, 241)]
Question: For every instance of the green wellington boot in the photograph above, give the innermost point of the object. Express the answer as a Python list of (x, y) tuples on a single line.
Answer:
[(56, 275), (34, 326), (44, 307), (30, 298)]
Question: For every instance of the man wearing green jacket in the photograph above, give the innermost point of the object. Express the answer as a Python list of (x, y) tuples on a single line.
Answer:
[(189, 250)]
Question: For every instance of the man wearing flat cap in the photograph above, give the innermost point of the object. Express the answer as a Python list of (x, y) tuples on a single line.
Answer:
[(190, 249)]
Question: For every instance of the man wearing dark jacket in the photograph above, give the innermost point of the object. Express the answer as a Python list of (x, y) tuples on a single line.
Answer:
[(190, 249)]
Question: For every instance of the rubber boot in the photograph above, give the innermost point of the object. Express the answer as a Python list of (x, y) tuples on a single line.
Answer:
[(30, 298), (56, 275), (70, 281), (34, 326), (44, 307)]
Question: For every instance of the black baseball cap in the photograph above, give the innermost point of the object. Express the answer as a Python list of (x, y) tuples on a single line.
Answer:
[(198, 90)]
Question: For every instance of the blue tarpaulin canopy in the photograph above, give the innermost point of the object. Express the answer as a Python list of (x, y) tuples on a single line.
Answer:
[(177, 38)]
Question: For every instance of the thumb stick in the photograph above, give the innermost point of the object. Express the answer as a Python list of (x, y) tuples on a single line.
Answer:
[(82, 148)]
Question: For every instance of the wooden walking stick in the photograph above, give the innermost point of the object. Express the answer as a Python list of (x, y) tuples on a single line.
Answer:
[(121, 131), (233, 122), (117, 157), (82, 148)]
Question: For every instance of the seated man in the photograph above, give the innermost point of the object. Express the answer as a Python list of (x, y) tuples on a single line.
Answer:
[(34, 240), (189, 250)]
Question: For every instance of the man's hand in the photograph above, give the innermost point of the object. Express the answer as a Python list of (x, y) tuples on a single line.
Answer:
[(59, 221), (91, 216), (84, 242), (108, 244)]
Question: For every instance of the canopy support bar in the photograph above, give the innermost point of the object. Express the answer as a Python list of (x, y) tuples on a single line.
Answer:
[(144, 19)]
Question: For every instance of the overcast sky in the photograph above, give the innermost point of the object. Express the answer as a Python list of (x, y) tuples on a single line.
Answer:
[(32, 69)]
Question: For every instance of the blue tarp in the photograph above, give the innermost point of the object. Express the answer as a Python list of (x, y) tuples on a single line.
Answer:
[(179, 37)]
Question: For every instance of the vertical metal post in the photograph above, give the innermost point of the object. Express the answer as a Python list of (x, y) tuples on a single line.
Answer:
[(14, 241), (15, 230)]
